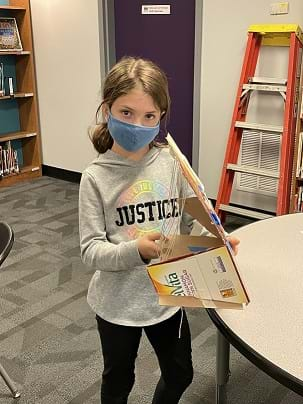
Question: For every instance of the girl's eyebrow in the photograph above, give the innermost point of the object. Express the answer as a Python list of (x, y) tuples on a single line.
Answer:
[(126, 107), (131, 109)]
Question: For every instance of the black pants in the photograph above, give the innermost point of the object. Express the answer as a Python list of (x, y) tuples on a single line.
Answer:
[(120, 346)]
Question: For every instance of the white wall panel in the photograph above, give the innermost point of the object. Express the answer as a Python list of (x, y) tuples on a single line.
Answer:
[(67, 54)]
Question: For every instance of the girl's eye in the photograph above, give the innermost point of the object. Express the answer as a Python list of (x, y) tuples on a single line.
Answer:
[(150, 116), (126, 113)]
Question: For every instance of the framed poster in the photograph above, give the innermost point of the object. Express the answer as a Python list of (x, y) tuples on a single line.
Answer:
[(9, 35)]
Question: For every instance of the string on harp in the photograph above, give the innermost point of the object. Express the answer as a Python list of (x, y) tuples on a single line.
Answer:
[(172, 223)]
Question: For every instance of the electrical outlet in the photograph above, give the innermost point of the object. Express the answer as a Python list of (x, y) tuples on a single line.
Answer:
[(279, 8)]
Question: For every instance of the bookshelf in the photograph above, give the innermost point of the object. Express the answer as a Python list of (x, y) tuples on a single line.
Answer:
[(19, 123)]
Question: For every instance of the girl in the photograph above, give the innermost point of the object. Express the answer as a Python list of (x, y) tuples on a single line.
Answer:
[(124, 198)]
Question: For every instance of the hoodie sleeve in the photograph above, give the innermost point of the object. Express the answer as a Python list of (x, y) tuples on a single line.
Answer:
[(96, 250)]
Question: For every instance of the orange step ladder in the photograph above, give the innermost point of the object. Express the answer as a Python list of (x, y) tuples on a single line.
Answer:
[(258, 35)]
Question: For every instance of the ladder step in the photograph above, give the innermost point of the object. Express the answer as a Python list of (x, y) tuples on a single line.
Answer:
[(268, 80), (245, 212), (251, 170), (259, 126), (265, 87)]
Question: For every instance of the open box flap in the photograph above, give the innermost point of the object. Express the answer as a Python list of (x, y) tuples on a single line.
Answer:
[(194, 207), (209, 216)]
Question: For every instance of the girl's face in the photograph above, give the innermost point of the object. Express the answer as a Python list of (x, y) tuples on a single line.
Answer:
[(137, 108)]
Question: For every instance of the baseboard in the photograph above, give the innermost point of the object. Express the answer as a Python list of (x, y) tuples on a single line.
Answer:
[(61, 174)]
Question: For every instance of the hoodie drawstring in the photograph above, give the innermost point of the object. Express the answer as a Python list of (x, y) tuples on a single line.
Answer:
[(180, 325)]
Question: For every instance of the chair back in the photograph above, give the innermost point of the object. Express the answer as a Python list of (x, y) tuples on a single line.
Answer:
[(6, 240)]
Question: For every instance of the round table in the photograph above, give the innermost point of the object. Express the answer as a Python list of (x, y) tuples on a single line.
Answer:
[(269, 331)]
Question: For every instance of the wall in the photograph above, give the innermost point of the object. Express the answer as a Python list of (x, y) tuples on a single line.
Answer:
[(223, 45), (66, 43)]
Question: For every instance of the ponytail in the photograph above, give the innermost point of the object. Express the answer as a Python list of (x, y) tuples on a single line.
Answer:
[(101, 138), (99, 134)]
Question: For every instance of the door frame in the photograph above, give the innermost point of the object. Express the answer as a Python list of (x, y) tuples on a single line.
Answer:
[(108, 59)]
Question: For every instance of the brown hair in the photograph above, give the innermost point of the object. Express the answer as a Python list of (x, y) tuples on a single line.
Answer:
[(122, 78)]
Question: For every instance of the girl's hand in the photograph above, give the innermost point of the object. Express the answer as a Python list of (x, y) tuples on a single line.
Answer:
[(147, 246), (234, 242)]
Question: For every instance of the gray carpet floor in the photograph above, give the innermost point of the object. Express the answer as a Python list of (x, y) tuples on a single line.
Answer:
[(48, 339)]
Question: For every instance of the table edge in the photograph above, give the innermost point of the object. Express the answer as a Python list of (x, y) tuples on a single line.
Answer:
[(277, 373)]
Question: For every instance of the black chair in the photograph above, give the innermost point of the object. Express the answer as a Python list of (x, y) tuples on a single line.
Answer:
[(6, 243)]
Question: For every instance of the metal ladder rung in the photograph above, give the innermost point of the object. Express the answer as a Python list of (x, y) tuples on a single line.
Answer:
[(245, 212), (259, 126), (251, 170), (265, 87), (267, 80)]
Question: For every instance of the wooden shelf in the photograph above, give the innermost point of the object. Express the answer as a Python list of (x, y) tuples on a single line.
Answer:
[(26, 173), (16, 95), (16, 136), (13, 8), (29, 169), (15, 53)]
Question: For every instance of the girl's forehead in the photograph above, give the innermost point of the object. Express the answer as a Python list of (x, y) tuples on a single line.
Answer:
[(136, 97)]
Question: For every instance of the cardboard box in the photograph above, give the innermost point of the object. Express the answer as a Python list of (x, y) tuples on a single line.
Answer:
[(198, 271), (206, 277)]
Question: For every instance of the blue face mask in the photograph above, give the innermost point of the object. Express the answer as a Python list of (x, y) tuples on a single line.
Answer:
[(129, 136)]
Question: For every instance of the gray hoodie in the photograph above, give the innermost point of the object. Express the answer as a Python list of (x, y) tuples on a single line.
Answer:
[(121, 199)]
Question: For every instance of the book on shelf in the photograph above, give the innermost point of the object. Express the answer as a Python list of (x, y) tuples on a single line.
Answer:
[(299, 199), (299, 168), (17, 146), (196, 271), (9, 35), (9, 163)]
